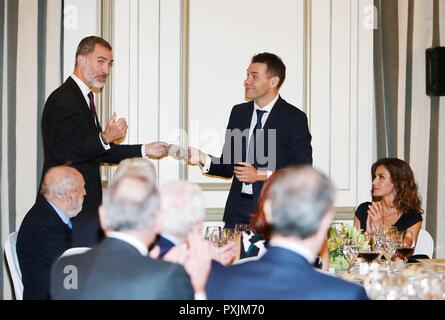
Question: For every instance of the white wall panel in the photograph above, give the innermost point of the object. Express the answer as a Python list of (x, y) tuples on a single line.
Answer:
[(335, 90), (319, 90), (340, 95), (81, 20), (224, 35)]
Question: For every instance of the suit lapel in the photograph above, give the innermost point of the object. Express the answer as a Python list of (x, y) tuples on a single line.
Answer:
[(272, 121), (85, 109), (245, 122)]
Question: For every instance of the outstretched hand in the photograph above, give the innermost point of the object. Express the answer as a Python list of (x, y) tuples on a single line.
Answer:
[(158, 149), (195, 156)]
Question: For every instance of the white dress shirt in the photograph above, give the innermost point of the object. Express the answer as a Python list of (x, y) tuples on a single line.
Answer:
[(295, 247), (247, 188), (85, 91), (139, 245)]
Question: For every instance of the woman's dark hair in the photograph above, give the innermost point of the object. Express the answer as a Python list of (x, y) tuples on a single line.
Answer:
[(407, 195), (258, 221)]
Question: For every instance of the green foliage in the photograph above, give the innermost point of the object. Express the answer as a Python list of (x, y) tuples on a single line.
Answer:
[(336, 239)]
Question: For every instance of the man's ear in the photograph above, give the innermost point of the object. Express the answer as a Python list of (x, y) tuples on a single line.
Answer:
[(80, 60), (267, 208), (102, 218), (275, 81), (159, 222), (326, 221)]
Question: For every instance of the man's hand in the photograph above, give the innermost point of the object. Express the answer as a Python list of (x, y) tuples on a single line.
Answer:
[(375, 211), (115, 130), (247, 173), (225, 254), (198, 264), (157, 149), (195, 157)]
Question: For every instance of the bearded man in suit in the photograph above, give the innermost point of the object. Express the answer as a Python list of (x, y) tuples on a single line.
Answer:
[(73, 135)]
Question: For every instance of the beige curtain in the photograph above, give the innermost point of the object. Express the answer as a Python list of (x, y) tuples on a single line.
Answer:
[(408, 121), (30, 64)]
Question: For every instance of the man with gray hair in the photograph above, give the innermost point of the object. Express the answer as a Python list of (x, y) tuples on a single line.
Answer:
[(136, 167), (183, 208), (45, 232), (299, 209), (120, 267)]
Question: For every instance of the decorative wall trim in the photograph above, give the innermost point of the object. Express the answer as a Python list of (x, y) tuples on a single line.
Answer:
[(184, 108), (105, 26), (341, 213), (215, 186)]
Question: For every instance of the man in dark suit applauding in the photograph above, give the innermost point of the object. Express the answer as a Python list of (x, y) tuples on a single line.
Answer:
[(298, 208), (45, 232), (73, 135), (263, 135), (119, 267)]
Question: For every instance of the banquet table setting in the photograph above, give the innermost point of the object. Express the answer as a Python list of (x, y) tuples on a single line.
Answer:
[(383, 263)]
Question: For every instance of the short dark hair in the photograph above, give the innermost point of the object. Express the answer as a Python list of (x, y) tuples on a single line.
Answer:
[(87, 45), (275, 65)]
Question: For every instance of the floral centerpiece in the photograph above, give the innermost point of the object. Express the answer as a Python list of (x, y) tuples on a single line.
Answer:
[(336, 239)]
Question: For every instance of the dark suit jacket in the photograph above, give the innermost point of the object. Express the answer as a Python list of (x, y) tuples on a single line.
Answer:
[(164, 244), (116, 270), (42, 238), (70, 136), (279, 274), (292, 146)]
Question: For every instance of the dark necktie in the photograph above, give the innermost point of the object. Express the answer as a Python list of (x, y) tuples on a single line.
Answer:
[(69, 226), (92, 106), (251, 154)]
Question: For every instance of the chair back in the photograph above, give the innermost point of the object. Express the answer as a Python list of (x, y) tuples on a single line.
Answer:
[(12, 262), (425, 244), (74, 251)]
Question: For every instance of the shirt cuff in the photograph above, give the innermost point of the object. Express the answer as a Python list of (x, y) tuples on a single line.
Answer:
[(106, 146), (143, 152), (208, 163), (200, 296), (268, 173)]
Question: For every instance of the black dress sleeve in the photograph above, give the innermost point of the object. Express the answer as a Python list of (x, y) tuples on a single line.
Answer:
[(408, 219), (362, 214)]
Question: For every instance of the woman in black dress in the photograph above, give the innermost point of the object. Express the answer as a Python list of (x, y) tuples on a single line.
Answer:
[(395, 199)]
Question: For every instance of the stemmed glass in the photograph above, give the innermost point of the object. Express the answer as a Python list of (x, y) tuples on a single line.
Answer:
[(371, 254), (213, 234), (406, 247), (389, 248), (351, 252), (241, 227)]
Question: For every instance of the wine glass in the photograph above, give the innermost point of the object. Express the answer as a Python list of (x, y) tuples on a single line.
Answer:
[(406, 247), (212, 232), (389, 247), (351, 252), (240, 227)]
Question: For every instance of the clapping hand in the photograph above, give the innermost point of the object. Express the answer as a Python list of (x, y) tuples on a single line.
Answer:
[(375, 215), (116, 130)]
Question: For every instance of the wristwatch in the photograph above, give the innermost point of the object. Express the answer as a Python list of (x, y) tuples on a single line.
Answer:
[(102, 138)]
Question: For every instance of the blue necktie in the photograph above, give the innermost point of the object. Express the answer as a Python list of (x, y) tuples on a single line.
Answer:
[(69, 225), (251, 153)]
